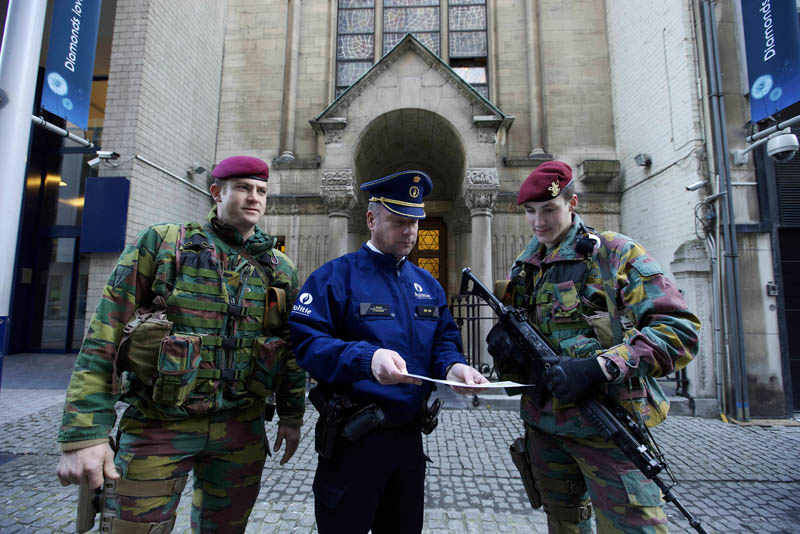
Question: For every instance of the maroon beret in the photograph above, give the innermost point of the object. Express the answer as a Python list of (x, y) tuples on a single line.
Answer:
[(545, 182), (241, 167)]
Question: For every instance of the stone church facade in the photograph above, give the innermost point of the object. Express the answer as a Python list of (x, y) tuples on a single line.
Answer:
[(334, 93)]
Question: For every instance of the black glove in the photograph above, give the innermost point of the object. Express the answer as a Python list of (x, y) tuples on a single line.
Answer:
[(571, 379), (507, 356)]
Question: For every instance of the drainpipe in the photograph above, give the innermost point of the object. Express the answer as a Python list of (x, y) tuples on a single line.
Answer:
[(716, 318), (733, 305)]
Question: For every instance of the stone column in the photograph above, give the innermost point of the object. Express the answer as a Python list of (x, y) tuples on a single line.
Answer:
[(339, 195), (480, 192), (692, 271)]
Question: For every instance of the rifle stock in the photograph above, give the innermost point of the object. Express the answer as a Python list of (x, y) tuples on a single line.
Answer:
[(613, 422)]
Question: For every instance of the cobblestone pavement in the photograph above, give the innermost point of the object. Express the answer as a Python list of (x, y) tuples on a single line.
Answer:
[(735, 478)]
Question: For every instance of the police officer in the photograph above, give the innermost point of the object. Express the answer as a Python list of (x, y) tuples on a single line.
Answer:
[(197, 392), (618, 322), (361, 322)]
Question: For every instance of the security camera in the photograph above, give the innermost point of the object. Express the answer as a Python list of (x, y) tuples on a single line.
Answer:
[(782, 146), (93, 162), (697, 185), (107, 154)]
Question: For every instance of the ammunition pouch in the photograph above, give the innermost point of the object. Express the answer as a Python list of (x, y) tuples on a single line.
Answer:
[(141, 342), (90, 502), (363, 422), (522, 461)]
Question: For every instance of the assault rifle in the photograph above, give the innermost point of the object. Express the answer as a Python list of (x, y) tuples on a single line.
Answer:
[(612, 421)]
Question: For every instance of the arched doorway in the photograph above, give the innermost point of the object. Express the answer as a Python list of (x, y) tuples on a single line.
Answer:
[(418, 139)]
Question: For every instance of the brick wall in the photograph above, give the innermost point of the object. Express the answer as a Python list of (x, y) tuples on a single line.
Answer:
[(657, 111), (162, 104)]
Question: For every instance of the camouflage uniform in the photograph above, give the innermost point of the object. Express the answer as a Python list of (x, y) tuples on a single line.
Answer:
[(203, 406), (563, 293)]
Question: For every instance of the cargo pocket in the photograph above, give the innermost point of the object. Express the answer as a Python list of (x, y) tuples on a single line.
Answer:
[(269, 361), (178, 362), (641, 490)]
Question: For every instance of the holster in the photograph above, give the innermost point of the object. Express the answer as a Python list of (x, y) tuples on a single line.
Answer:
[(338, 416), (331, 414), (430, 419), (92, 501), (522, 461), (88, 507)]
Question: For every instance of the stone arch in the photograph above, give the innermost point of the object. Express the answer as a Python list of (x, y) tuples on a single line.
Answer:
[(412, 138)]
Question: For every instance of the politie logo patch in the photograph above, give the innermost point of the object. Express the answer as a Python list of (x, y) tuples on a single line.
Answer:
[(303, 300), (419, 292)]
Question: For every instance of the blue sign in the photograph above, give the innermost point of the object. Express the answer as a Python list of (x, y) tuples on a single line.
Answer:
[(70, 60), (772, 41), (105, 214)]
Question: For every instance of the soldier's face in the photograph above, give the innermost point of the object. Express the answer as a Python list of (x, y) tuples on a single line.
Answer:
[(550, 220), (392, 234), (241, 203)]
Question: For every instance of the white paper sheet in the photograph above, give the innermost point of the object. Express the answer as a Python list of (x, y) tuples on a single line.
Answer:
[(504, 384)]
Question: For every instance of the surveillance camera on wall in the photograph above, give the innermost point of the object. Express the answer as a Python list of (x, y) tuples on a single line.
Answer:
[(697, 185), (107, 154), (782, 146), (94, 162)]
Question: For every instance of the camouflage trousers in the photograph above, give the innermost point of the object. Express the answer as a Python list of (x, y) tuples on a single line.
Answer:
[(578, 476), (226, 452)]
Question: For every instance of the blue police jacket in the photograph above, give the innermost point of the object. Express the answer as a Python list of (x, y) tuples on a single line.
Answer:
[(361, 302)]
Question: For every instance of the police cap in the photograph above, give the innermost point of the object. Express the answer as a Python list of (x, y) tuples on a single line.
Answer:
[(545, 182), (241, 167), (401, 192)]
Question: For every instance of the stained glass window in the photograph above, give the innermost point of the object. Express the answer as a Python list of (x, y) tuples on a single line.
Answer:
[(466, 36), (355, 42), (417, 17), (468, 43), (431, 265), (428, 239)]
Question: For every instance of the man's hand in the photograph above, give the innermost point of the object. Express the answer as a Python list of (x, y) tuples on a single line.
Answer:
[(571, 379), (389, 367), (467, 375), (87, 466), (292, 437)]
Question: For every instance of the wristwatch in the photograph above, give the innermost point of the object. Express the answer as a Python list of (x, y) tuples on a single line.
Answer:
[(612, 369)]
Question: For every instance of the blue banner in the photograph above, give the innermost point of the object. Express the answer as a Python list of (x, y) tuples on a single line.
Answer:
[(70, 60), (772, 41)]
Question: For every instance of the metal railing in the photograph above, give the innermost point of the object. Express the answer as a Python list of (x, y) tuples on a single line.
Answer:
[(466, 310)]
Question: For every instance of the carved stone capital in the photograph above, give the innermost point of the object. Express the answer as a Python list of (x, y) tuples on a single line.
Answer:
[(338, 190), (486, 136), (480, 188)]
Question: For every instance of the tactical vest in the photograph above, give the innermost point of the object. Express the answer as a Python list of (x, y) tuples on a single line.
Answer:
[(557, 301), (216, 349)]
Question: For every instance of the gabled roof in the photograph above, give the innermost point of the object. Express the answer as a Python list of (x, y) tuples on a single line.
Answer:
[(409, 43)]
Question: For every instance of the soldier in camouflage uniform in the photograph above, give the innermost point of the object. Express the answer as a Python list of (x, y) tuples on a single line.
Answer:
[(618, 322), (197, 399)]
